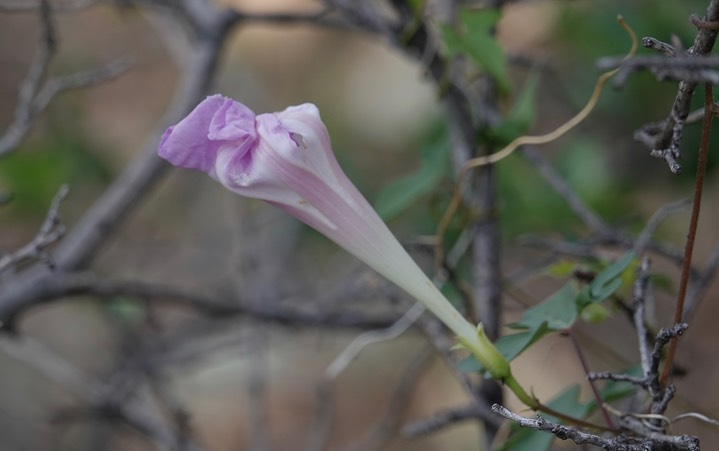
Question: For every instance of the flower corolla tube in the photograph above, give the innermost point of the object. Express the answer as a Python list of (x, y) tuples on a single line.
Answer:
[(286, 159)]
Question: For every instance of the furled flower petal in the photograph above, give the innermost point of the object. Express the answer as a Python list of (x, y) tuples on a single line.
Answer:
[(286, 159), (217, 121)]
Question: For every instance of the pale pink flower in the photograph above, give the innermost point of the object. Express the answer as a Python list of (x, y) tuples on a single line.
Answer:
[(286, 159)]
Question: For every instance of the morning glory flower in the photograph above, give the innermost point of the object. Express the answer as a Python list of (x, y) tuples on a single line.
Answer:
[(286, 159)]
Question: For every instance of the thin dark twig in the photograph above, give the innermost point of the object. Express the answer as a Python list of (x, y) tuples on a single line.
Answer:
[(650, 381), (592, 385), (24, 113), (33, 100), (660, 405), (654, 221), (34, 95), (693, 223), (51, 230), (547, 171), (665, 336)]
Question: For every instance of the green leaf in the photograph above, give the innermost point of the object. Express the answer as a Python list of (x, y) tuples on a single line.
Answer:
[(568, 403), (406, 191), (453, 41), (470, 364), (606, 283), (478, 43), (601, 283), (559, 311), (510, 346), (479, 21)]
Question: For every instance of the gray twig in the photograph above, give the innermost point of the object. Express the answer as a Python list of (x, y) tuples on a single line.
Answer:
[(686, 68), (665, 143), (648, 440), (51, 230), (660, 46), (34, 95), (450, 417), (650, 366), (656, 219), (641, 283), (562, 432), (23, 6), (57, 286)]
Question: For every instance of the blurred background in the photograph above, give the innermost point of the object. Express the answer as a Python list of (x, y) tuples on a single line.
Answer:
[(246, 384)]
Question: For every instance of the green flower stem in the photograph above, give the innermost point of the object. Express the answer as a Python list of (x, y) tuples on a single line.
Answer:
[(513, 385)]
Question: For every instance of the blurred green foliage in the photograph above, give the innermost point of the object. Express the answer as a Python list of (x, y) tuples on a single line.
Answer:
[(476, 40), (404, 192), (34, 172)]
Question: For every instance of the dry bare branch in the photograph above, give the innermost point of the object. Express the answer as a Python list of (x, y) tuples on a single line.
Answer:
[(52, 229)]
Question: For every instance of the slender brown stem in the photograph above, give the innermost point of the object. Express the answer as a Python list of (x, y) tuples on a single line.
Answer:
[(571, 420), (592, 384), (693, 223)]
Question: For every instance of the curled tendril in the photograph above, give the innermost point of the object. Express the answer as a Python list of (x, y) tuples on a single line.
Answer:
[(524, 140)]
